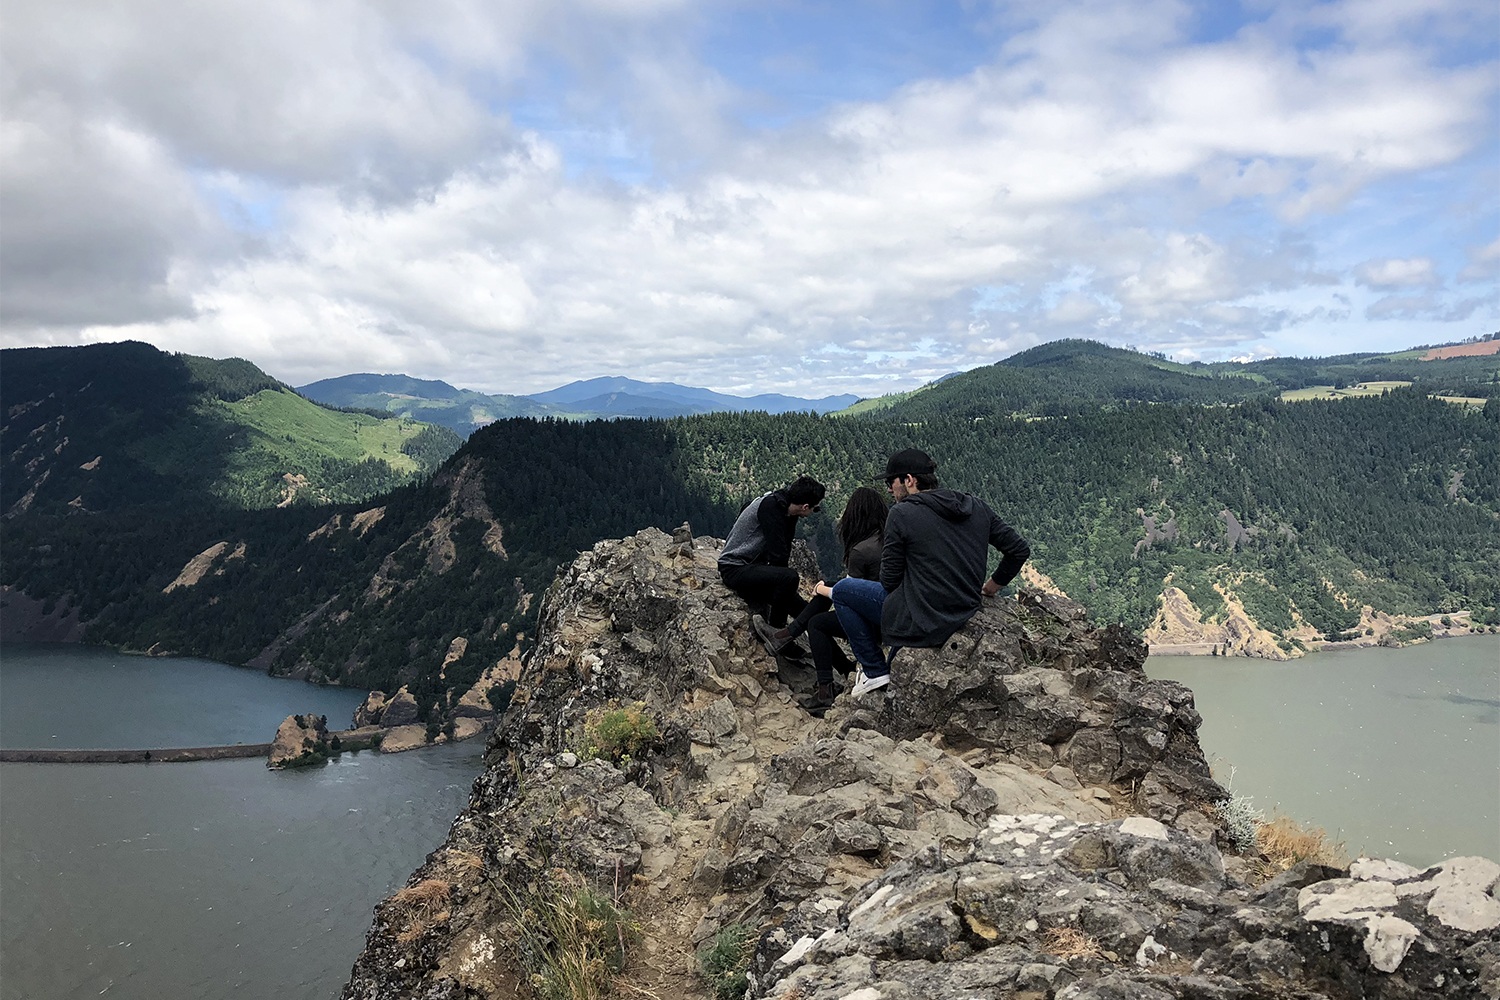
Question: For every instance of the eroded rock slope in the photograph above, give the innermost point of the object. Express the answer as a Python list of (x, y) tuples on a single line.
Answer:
[(1026, 815)]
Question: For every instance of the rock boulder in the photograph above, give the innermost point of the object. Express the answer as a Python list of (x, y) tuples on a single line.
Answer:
[(300, 740), (370, 710), (401, 710)]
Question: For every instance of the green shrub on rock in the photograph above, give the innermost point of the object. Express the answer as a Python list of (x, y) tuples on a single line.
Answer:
[(617, 734), (725, 960)]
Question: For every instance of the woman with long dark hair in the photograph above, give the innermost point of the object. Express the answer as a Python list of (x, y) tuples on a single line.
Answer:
[(859, 529)]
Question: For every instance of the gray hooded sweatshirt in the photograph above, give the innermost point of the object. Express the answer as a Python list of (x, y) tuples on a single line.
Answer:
[(932, 564)]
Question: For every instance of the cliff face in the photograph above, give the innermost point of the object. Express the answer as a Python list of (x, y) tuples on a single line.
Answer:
[(1027, 814), (1179, 628)]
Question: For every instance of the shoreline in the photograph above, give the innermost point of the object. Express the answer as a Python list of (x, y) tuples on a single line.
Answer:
[(1319, 645)]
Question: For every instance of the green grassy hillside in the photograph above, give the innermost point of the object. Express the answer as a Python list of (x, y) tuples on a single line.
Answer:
[(96, 428)]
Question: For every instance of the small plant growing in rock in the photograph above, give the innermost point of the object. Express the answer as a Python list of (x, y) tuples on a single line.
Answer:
[(725, 961), (1239, 816), (570, 937), (617, 734), (465, 864)]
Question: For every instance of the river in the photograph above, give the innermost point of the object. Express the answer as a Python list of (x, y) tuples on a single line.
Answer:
[(221, 879), (1395, 752), (208, 880)]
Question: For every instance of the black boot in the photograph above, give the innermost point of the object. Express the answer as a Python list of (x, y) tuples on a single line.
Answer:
[(779, 641), (821, 700)]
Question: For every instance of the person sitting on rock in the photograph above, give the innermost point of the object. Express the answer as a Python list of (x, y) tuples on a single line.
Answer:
[(753, 563), (931, 569), (859, 529)]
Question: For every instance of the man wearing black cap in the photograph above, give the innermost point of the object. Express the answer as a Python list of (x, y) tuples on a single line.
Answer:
[(754, 561), (931, 568)]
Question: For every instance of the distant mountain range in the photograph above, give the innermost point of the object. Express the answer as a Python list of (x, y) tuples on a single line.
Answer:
[(609, 397)]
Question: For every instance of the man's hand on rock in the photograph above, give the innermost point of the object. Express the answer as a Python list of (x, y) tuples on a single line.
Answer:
[(991, 588)]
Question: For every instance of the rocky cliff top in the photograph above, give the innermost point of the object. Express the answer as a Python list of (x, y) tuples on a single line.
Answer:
[(1027, 814)]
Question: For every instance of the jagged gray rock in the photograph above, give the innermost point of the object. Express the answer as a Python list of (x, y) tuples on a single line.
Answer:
[(1128, 908), (1025, 780), (1044, 686)]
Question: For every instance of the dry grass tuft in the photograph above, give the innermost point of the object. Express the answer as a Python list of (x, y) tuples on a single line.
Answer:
[(1284, 843), (1070, 942), (571, 937), (464, 862), (421, 905)]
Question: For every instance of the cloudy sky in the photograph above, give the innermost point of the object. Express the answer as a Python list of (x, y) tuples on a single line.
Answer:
[(770, 195)]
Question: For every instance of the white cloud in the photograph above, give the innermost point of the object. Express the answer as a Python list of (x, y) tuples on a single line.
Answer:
[(1483, 263), (1409, 273), (513, 195), (301, 92), (94, 216)]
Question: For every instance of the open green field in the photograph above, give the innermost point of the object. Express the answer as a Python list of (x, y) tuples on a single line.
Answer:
[(1329, 392), (877, 403), (245, 450), (289, 426), (1370, 389)]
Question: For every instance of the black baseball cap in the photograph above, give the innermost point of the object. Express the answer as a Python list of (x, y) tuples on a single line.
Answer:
[(909, 462)]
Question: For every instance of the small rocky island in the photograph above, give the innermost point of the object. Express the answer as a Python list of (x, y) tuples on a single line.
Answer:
[(392, 723), (1029, 815)]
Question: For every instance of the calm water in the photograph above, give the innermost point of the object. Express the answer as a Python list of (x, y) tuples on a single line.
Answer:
[(221, 879), (1394, 751), (206, 880), (59, 696)]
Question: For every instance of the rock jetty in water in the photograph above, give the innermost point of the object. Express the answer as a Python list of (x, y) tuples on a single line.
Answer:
[(1027, 815)]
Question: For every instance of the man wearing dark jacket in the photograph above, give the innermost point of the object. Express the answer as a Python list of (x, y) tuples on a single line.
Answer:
[(931, 568), (754, 561)]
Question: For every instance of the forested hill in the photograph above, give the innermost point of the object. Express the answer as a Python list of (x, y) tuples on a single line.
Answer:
[(373, 594), (1071, 376), (1389, 500), (1067, 376), (112, 426), (1301, 513), (1296, 513)]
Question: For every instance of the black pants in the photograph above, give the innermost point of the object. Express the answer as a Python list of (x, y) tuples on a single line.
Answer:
[(774, 587), (822, 627)]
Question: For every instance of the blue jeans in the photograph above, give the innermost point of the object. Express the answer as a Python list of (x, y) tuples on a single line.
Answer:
[(858, 604)]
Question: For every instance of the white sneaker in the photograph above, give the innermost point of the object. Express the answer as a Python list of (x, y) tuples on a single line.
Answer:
[(865, 683)]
